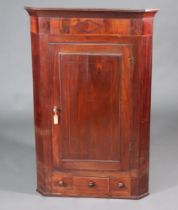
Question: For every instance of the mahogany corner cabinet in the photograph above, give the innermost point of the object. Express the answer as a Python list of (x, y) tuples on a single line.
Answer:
[(92, 84)]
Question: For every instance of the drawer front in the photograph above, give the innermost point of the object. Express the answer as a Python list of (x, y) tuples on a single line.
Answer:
[(119, 186), (91, 185), (62, 184), (89, 26)]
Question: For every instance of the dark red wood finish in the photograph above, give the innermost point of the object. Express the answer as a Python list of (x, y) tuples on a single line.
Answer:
[(94, 66)]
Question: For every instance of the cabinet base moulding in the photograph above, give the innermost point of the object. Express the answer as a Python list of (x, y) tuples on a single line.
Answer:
[(89, 196)]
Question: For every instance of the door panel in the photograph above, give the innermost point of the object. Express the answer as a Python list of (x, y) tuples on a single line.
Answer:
[(90, 104), (90, 78)]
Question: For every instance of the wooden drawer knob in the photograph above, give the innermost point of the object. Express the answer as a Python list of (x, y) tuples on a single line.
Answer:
[(61, 183), (91, 184), (120, 185)]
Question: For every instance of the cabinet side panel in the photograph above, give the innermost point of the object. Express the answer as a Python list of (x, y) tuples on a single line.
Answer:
[(42, 106), (139, 162), (145, 97)]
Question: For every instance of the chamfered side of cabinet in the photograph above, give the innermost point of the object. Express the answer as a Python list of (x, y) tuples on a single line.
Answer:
[(42, 109), (139, 146), (73, 29)]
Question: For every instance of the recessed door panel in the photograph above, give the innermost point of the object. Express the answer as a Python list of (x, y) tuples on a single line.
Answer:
[(90, 102)]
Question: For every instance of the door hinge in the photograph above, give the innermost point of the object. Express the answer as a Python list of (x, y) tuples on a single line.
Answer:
[(130, 146), (132, 60)]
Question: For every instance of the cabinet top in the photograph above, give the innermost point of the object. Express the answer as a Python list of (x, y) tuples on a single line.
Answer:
[(91, 12)]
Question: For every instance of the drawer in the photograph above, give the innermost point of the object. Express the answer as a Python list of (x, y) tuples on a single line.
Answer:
[(62, 183), (91, 185), (119, 186)]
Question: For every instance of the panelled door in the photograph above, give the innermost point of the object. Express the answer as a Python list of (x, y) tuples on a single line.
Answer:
[(91, 87)]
